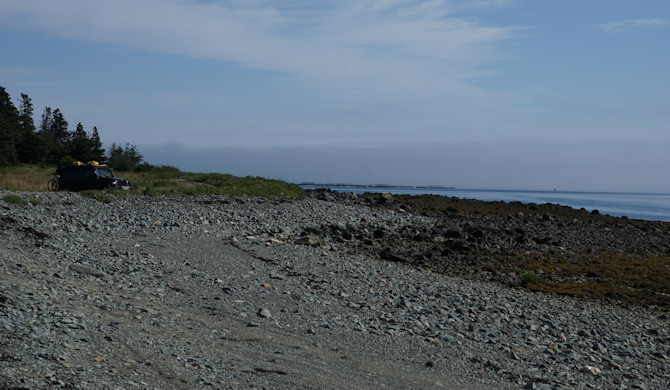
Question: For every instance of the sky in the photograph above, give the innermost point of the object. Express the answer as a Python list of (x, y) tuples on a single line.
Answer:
[(505, 94)]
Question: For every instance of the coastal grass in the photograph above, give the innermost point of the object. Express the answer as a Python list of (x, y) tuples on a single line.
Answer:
[(632, 279), (161, 180), (629, 278), (529, 278), (188, 183), (15, 200), (25, 177), (437, 204), (100, 196)]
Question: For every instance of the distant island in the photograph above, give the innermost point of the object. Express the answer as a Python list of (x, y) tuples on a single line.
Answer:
[(312, 184)]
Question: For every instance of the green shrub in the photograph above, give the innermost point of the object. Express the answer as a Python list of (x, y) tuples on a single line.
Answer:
[(150, 190), (104, 198), (97, 195), (35, 202), (530, 278), (14, 199), (66, 160), (161, 183), (164, 179), (225, 184)]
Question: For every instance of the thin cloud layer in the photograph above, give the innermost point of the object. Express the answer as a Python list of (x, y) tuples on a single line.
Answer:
[(378, 78), (630, 24), (385, 48)]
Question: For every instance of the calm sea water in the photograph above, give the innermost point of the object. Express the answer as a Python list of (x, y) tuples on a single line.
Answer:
[(633, 205)]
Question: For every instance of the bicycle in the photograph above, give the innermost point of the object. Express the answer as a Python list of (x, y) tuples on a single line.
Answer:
[(53, 185)]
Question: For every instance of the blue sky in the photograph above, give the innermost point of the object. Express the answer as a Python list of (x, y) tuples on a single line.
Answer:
[(512, 94)]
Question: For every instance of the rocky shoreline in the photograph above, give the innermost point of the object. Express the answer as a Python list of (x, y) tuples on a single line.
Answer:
[(331, 291)]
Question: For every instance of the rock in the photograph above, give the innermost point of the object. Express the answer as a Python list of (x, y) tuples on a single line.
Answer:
[(86, 270), (389, 255), (537, 386), (595, 371), (306, 240), (433, 306)]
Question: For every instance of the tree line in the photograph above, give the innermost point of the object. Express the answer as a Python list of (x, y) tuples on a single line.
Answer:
[(53, 143)]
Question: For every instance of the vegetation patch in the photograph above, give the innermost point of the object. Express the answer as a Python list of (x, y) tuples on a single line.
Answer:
[(100, 196), (628, 278), (161, 180), (25, 177), (14, 199), (437, 204), (530, 279), (168, 180)]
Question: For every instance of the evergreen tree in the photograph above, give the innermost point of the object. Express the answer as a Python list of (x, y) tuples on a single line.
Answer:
[(124, 159), (47, 118), (81, 146), (54, 134), (97, 150), (7, 108), (21, 143), (8, 130), (45, 136), (29, 147), (8, 154), (59, 128)]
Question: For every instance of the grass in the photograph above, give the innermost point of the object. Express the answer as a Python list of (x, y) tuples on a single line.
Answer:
[(14, 199), (25, 177), (436, 204), (529, 279), (627, 278), (97, 195), (632, 278), (162, 181)]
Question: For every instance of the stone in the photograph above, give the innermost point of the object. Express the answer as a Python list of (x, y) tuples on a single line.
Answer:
[(86, 270), (595, 371)]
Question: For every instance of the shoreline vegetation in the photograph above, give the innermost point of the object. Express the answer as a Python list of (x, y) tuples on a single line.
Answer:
[(160, 180), (544, 248)]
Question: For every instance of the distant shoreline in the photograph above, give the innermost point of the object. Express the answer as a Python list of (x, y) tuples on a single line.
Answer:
[(653, 207), (375, 186)]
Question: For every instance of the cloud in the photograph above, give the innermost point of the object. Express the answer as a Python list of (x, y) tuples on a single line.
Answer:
[(525, 163), (7, 72), (628, 24), (384, 48)]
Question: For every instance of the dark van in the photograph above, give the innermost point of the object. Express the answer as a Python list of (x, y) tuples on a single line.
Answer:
[(91, 176)]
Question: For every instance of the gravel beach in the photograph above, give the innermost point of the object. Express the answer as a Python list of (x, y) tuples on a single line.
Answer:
[(323, 292)]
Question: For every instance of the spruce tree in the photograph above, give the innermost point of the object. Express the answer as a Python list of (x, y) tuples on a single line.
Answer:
[(45, 135), (47, 118), (8, 154), (8, 130), (29, 147), (80, 146), (124, 159), (59, 128), (55, 134), (97, 149)]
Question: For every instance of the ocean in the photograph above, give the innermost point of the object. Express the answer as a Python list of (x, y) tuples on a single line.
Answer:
[(654, 207)]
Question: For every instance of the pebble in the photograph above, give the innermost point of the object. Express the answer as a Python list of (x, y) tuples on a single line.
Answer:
[(143, 273)]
